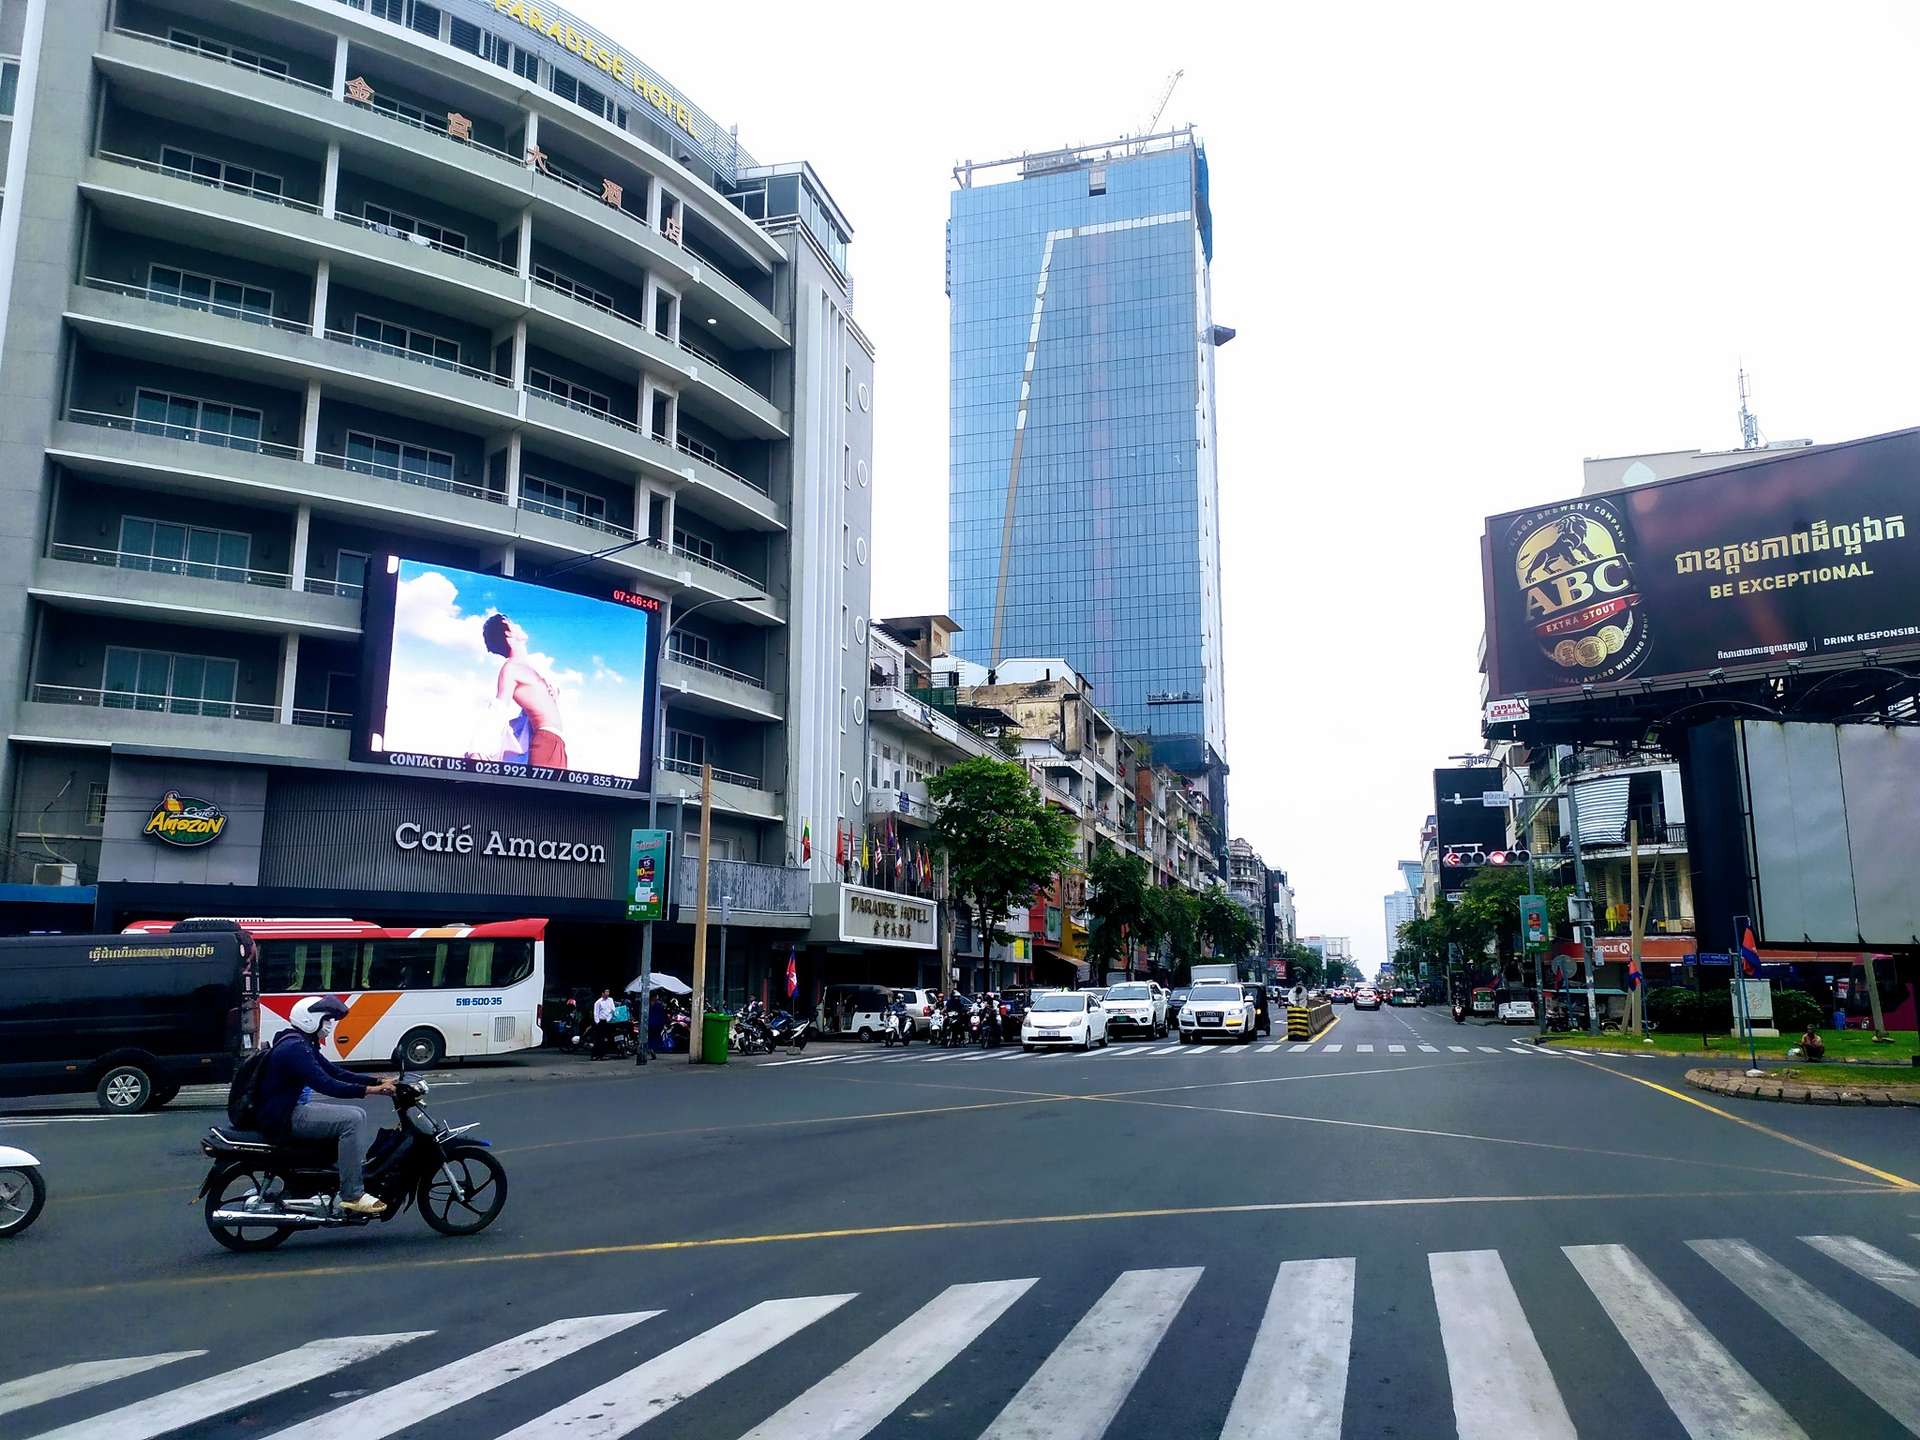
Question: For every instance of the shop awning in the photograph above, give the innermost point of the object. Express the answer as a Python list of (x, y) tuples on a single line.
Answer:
[(662, 981)]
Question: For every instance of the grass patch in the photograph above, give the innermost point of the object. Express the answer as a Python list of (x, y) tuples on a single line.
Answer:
[(1884, 1077), (1841, 1045)]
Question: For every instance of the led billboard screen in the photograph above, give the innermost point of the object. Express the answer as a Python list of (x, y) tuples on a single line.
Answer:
[(1800, 558), (473, 674)]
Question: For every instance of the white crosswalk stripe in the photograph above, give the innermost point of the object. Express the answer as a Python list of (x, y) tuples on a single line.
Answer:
[(83, 1375), (1396, 1049), (1501, 1384), (1295, 1382), (1331, 1049), (1269, 1049), (1875, 1264), (1883, 1371), (204, 1399), (1711, 1394), (625, 1404), (392, 1410), (869, 1387), (1488, 1050), (1080, 1387), (1430, 1049), (1459, 1049), (1363, 1049)]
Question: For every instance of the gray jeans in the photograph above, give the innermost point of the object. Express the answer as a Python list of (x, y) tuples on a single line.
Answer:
[(352, 1126)]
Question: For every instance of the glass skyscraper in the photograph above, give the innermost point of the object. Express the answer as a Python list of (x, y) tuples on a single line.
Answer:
[(1083, 492)]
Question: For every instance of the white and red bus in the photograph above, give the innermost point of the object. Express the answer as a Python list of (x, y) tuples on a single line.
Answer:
[(434, 992)]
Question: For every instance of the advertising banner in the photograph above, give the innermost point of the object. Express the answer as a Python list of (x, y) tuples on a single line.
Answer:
[(647, 872), (471, 674), (1801, 557)]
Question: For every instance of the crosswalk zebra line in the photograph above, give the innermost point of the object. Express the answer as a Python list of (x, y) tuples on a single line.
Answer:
[(389, 1411), (82, 1375), (1489, 1050), (1333, 1049), (1135, 1050), (1080, 1387), (1295, 1382), (1883, 1371), (624, 1404), (1430, 1049), (1363, 1049), (204, 1399), (1269, 1049), (1396, 1049), (1458, 1049), (1501, 1384), (1871, 1263), (1301, 1048), (1711, 1394), (863, 1392)]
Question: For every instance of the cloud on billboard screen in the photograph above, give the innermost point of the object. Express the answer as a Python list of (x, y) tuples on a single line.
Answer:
[(442, 686)]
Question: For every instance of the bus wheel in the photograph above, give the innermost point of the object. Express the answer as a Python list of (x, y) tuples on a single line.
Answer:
[(422, 1049)]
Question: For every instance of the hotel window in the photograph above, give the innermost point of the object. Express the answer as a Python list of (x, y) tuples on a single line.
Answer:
[(567, 285), (690, 647), (171, 286), (548, 498), (220, 50), (159, 680), (699, 449), (399, 223), (9, 86), (686, 748), (413, 14), (185, 417), (219, 172), (397, 460), (96, 803), (349, 573), (169, 549), (692, 544), (373, 333), (568, 392)]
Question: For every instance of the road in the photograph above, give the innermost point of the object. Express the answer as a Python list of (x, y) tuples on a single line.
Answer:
[(1407, 1229)]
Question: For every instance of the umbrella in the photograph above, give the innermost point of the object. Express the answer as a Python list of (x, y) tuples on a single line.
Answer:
[(662, 982)]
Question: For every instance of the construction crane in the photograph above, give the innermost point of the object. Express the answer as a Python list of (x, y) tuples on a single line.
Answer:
[(1166, 94)]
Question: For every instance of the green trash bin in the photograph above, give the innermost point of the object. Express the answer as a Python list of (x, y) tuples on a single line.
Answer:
[(713, 1037)]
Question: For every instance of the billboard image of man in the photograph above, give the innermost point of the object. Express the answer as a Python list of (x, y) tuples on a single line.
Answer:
[(523, 687)]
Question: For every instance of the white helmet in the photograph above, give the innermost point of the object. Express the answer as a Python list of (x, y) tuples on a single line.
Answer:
[(308, 1015)]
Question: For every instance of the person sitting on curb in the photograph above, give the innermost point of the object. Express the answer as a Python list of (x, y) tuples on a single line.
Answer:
[(1812, 1047)]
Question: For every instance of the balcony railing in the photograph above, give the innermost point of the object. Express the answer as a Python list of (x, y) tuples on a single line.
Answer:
[(726, 777), (684, 448), (594, 410), (407, 475), (425, 242), (706, 359), (745, 887), (592, 522), (592, 194), (324, 719), (172, 565), (682, 657), (439, 131), (201, 49), (193, 302), (273, 197), (591, 304), (362, 342), (158, 704), (198, 434)]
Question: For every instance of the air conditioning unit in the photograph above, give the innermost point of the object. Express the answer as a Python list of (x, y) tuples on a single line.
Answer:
[(56, 874)]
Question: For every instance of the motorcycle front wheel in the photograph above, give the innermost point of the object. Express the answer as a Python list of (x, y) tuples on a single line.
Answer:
[(229, 1190), (476, 1204), (23, 1194)]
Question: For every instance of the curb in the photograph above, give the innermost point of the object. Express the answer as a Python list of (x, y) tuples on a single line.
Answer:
[(1736, 1083)]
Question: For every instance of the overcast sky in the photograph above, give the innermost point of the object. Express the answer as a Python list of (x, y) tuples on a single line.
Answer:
[(1465, 245)]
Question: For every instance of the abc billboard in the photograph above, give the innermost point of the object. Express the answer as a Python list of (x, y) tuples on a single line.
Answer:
[(1805, 557)]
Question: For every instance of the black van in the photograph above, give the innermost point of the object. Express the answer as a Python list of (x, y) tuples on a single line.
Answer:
[(130, 1017)]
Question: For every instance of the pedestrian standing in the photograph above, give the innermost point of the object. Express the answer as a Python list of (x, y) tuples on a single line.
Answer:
[(656, 1022), (602, 1019)]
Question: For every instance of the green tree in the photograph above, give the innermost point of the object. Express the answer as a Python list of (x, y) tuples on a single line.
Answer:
[(1002, 842), (1176, 916), (1226, 926), (1120, 907), (1490, 912), (1304, 964)]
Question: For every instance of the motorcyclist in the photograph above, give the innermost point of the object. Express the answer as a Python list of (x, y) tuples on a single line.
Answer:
[(296, 1072), (954, 1031)]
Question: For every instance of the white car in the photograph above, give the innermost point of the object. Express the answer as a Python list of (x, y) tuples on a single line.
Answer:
[(1216, 1010), (1514, 1010), (1136, 1005), (1064, 1017)]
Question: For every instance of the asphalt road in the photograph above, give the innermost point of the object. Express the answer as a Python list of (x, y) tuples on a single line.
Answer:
[(1408, 1228)]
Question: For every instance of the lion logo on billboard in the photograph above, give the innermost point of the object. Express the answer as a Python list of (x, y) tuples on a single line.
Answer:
[(1573, 569)]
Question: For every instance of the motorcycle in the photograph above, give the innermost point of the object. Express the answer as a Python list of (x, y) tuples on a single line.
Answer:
[(1459, 1013), (259, 1191), (899, 1029), (986, 1027), (784, 1030), (749, 1033), (23, 1194)]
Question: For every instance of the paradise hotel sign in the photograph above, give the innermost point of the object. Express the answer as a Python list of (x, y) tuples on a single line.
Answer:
[(876, 917), (553, 25)]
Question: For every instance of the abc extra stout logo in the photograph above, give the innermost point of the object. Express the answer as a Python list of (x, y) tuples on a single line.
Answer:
[(1573, 569)]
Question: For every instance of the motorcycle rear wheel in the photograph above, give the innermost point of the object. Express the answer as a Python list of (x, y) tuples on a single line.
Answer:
[(483, 1178), (228, 1190)]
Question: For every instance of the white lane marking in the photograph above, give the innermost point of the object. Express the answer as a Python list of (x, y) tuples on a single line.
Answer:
[(1501, 1384), (625, 1403), (204, 1399), (1301, 1048), (389, 1411), (1430, 1049), (1489, 1050), (1080, 1387), (1878, 1368), (1295, 1382), (1522, 1050), (1710, 1393), (882, 1377), (1136, 1050), (20, 1122), (1179, 1048), (936, 1059), (1870, 1263), (83, 1375), (1458, 1049), (1396, 1049), (1332, 1049), (1363, 1049)]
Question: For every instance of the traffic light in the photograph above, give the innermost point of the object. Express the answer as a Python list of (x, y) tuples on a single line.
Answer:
[(1474, 857)]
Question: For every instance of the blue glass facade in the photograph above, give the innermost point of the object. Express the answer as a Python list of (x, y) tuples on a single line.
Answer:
[(1082, 492)]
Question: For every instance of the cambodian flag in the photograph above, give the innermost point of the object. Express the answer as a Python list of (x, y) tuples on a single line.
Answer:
[(1749, 954), (793, 975)]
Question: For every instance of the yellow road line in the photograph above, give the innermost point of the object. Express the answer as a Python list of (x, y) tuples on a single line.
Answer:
[(927, 1227), (1897, 1181)]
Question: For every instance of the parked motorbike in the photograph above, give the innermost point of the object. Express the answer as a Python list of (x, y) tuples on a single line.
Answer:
[(749, 1033), (23, 1194), (258, 1191), (899, 1029), (784, 1030)]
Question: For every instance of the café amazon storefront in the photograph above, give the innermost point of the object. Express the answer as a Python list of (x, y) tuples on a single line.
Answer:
[(198, 837)]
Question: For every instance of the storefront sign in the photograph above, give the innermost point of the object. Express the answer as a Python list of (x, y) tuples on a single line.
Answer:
[(461, 840), (875, 917), (185, 823), (647, 873)]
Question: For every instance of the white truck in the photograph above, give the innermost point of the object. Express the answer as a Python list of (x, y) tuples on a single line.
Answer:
[(1207, 974)]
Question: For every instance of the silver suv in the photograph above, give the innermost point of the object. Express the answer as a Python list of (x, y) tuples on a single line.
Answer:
[(920, 1007), (1138, 1006)]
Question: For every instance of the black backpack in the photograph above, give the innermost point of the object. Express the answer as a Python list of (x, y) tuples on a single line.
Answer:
[(243, 1095)]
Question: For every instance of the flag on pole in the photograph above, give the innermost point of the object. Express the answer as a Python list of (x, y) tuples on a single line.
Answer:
[(793, 974), (840, 842), (806, 841), (1634, 978), (1749, 954), (866, 856)]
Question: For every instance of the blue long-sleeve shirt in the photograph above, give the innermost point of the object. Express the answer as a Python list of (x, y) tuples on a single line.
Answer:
[(297, 1071)]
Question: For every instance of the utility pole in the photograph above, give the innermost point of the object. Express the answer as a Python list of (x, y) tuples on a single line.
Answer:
[(697, 1002), (1580, 887)]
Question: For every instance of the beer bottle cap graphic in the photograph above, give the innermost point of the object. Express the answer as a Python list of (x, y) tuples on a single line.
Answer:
[(1575, 575)]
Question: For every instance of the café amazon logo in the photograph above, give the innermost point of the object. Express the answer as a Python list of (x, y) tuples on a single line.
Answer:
[(185, 823), (1573, 568)]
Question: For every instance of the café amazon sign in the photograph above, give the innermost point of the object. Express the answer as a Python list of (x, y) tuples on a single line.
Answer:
[(185, 823), (554, 26)]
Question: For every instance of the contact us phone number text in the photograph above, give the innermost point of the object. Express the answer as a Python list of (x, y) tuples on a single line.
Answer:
[(459, 765)]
